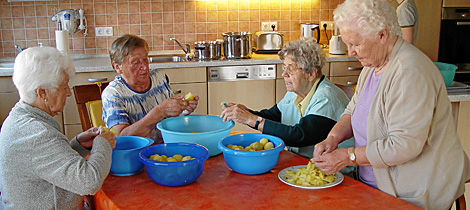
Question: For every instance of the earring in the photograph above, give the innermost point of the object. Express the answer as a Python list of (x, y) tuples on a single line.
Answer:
[(45, 100)]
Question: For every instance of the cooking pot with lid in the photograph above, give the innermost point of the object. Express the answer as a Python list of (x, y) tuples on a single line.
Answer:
[(237, 44), (207, 50)]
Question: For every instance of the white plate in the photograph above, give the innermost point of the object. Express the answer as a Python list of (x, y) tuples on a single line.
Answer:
[(283, 177)]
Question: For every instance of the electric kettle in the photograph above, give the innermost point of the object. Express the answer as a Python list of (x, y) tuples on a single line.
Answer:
[(307, 30)]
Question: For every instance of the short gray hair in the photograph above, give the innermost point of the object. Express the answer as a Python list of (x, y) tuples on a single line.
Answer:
[(124, 45), (306, 53), (371, 16), (40, 67)]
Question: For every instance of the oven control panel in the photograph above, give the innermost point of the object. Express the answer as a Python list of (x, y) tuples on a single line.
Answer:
[(456, 13), (232, 73)]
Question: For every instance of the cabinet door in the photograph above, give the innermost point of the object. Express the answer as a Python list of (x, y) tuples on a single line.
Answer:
[(199, 89), (281, 89), (186, 75), (8, 100)]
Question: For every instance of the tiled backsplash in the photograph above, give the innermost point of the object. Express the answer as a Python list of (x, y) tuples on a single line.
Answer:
[(29, 23)]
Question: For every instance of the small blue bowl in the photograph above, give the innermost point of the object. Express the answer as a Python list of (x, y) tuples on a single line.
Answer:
[(447, 71), (125, 160), (206, 130), (251, 162), (174, 173)]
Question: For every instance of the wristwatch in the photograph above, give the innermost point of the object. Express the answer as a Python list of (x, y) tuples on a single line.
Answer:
[(352, 156), (258, 120)]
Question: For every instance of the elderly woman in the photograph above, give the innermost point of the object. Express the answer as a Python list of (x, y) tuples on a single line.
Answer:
[(137, 99), (39, 167), (400, 115), (309, 109)]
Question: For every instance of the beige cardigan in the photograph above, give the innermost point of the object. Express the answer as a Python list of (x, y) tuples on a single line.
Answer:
[(412, 142)]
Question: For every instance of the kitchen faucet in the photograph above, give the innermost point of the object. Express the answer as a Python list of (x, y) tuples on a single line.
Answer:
[(187, 50), (19, 48)]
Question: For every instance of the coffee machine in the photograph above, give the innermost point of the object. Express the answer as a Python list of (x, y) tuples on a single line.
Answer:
[(70, 20), (307, 30)]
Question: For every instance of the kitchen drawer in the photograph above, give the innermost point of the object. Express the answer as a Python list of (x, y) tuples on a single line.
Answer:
[(325, 70), (186, 75), (199, 89), (345, 68), (349, 81)]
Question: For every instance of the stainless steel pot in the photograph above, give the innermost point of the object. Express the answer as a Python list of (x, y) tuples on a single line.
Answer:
[(207, 50), (237, 44), (215, 49)]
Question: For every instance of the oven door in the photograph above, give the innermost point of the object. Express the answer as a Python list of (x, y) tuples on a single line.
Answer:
[(454, 41)]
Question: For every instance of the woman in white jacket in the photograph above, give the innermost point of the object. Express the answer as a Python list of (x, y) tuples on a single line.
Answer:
[(39, 167), (400, 115)]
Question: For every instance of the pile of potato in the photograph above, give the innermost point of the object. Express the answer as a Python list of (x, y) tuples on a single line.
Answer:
[(263, 144), (175, 158)]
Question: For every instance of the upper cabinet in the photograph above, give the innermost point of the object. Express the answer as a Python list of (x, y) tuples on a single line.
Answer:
[(456, 3)]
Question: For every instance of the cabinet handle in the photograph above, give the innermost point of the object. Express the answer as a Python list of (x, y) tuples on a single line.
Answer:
[(350, 68), (176, 92), (103, 79), (351, 83)]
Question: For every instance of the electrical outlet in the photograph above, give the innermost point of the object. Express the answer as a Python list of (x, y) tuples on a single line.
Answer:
[(267, 26), (104, 31), (330, 25)]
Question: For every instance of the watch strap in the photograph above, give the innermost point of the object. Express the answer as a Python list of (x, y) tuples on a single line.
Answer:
[(258, 120)]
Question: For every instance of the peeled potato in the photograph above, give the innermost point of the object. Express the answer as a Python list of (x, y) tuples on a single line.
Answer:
[(189, 96), (114, 131)]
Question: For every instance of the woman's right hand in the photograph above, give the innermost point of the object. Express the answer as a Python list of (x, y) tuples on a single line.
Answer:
[(110, 137), (325, 147)]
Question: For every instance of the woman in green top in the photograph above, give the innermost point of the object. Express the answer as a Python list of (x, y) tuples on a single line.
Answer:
[(310, 108)]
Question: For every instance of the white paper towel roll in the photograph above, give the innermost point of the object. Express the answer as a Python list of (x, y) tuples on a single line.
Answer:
[(62, 41)]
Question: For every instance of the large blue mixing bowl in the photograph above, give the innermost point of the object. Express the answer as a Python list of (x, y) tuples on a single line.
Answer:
[(251, 162), (206, 130), (126, 155), (174, 173)]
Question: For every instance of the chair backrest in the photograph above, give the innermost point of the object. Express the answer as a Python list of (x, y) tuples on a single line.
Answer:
[(348, 90), (83, 95)]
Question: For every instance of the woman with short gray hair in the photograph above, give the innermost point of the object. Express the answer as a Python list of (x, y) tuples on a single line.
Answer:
[(406, 142), (308, 110), (39, 167)]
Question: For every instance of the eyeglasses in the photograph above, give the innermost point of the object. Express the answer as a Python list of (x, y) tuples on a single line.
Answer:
[(290, 69)]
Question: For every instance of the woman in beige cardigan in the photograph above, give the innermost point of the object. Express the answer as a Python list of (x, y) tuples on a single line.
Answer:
[(400, 115)]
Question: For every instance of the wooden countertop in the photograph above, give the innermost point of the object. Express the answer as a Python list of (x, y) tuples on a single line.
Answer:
[(220, 188)]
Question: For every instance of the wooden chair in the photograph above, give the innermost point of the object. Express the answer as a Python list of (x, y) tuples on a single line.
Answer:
[(83, 95), (460, 203)]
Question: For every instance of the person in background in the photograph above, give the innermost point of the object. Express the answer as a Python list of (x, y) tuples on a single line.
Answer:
[(39, 167), (137, 99), (406, 142), (408, 20), (309, 109)]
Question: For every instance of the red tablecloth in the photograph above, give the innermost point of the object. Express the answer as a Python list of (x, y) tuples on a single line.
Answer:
[(220, 188)]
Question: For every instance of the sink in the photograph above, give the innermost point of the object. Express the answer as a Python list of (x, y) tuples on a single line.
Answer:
[(7, 66), (163, 59)]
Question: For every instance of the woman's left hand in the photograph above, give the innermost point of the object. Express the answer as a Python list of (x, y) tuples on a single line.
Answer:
[(236, 112), (332, 162), (86, 137), (192, 104)]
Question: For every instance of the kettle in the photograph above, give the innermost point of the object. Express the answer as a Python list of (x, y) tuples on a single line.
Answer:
[(337, 46), (307, 30)]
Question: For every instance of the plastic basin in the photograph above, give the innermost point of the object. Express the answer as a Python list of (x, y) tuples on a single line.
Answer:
[(251, 162), (125, 160), (448, 72), (174, 173), (206, 130)]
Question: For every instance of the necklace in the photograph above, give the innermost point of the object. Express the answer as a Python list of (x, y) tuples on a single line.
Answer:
[(378, 70)]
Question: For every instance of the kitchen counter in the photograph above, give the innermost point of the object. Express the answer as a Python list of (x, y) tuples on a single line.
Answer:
[(220, 188), (102, 62)]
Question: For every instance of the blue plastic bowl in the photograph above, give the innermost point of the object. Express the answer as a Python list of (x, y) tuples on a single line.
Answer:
[(126, 155), (448, 72), (206, 130), (174, 173), (250, 162)]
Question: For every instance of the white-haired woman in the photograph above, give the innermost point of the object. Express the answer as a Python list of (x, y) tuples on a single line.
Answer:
[(400, 115), (39, 167), (309, 109)]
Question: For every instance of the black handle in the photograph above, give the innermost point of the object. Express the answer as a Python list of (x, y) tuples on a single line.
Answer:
[(318, 33)]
